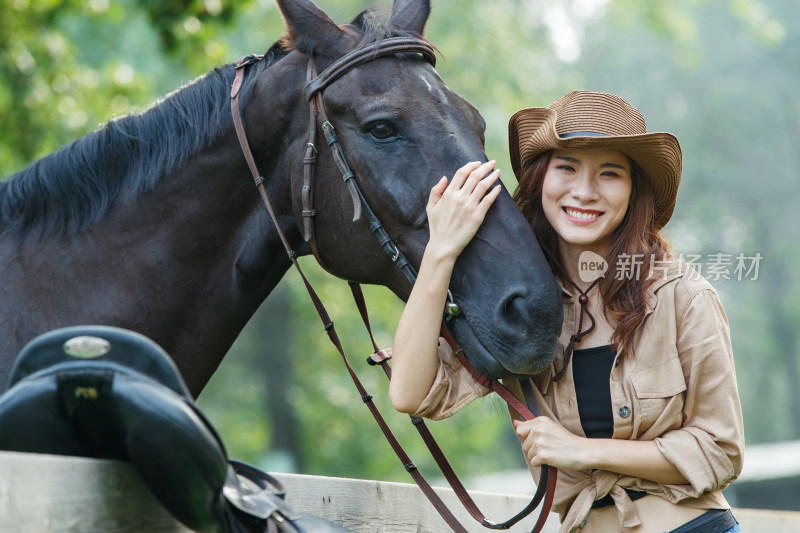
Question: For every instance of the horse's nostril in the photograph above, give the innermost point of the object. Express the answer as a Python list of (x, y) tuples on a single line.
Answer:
[(527, 329), (515, 316)]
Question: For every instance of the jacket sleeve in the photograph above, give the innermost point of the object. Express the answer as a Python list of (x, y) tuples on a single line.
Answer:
[(452, 389), (708, 449)]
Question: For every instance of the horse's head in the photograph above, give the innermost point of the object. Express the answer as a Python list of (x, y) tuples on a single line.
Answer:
[(401, 129)]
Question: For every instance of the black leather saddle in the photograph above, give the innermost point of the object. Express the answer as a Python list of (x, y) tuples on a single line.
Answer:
[(104, 392)]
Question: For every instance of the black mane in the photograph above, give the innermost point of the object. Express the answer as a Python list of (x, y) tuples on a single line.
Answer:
[(72, 187)]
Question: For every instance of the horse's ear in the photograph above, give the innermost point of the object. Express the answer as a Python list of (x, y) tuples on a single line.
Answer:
[(410, 15), (313, 32)]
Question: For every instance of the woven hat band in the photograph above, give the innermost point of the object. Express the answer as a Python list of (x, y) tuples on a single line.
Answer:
[(582, 134)]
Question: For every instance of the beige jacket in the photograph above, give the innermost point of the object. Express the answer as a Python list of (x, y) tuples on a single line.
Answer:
[(680, 391)]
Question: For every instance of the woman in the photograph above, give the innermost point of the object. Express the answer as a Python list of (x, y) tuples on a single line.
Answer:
[(640, 410)]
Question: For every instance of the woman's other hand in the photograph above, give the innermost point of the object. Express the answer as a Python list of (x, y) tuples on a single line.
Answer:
[(545, 442)]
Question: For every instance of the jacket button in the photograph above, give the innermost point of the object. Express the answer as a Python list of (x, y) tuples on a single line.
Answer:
[(624, 411), (582, 525)]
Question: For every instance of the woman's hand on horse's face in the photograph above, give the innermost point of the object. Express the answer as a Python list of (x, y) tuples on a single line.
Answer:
[(456, 210), (546, 442)]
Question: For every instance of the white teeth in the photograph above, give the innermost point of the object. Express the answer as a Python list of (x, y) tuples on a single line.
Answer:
[(582, 216)]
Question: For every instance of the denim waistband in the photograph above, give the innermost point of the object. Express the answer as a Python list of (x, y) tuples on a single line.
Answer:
[(713, 521)]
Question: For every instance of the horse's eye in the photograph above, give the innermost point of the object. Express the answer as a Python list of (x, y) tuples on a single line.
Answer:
[(382, 131)]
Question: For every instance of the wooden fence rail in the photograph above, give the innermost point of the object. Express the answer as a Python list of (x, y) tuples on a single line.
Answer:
[(44, 493)]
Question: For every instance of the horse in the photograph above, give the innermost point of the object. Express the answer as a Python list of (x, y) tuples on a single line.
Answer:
[(151, 223)]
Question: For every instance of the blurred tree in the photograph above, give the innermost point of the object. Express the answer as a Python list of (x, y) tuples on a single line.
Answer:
[(46, 93), (67, 66)]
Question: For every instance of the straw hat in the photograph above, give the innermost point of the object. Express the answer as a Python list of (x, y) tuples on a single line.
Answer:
[(585, 119)]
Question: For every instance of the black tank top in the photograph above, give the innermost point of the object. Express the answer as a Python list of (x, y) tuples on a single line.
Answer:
[(591, 371)]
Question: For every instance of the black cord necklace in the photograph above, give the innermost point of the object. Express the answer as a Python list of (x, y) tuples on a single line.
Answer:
[(583, 301)]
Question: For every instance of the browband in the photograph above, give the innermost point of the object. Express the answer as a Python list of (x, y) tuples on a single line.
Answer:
[(394, 45)]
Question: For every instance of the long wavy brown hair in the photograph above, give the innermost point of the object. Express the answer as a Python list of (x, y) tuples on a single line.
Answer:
[(623, 288)]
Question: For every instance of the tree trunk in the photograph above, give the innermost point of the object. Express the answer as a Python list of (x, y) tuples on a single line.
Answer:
[(272, 322)]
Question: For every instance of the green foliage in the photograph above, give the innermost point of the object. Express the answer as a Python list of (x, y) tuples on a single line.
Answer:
[(720, 75), (67, 66), (47, 94)]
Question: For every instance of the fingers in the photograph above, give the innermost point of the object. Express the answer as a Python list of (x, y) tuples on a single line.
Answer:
[(467, 177), (471, 183), (457, 209), (526, 430), (468, 188), (488, 199), (462, 174), (437, 191), (476, 181)]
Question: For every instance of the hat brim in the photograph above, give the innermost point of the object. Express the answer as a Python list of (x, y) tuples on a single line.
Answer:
[(532, 131)]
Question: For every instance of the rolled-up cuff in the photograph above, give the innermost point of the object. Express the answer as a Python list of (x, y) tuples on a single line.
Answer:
[(704, 465), (452, 389)]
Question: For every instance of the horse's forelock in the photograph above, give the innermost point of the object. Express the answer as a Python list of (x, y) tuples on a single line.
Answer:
[(375, 27)]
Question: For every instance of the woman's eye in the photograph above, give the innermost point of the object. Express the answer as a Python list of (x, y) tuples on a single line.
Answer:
[(382, 131), (615, 174)]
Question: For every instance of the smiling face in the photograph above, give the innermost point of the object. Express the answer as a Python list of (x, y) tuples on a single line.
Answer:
[(585, 196)]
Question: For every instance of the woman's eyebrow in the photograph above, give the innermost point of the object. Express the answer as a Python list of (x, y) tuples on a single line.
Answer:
[(614, 165), (567, 158)]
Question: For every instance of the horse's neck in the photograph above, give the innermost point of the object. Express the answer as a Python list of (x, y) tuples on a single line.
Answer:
[(185, 263)]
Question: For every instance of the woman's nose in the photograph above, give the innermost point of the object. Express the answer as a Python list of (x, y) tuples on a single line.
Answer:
[(583, 187)]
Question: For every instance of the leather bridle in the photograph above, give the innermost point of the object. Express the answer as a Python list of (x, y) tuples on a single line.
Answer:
[(313, 92)]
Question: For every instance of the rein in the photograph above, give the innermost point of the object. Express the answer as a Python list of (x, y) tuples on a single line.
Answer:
[(313, 92)]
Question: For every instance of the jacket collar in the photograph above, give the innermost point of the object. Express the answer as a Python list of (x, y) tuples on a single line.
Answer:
[(663, 274), (670, 271)]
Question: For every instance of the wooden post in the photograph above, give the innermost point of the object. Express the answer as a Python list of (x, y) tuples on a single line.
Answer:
[(53, 494), (363, 506), (49, 493)]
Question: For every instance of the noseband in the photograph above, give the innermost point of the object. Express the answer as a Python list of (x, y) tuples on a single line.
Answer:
[(313, 91)]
